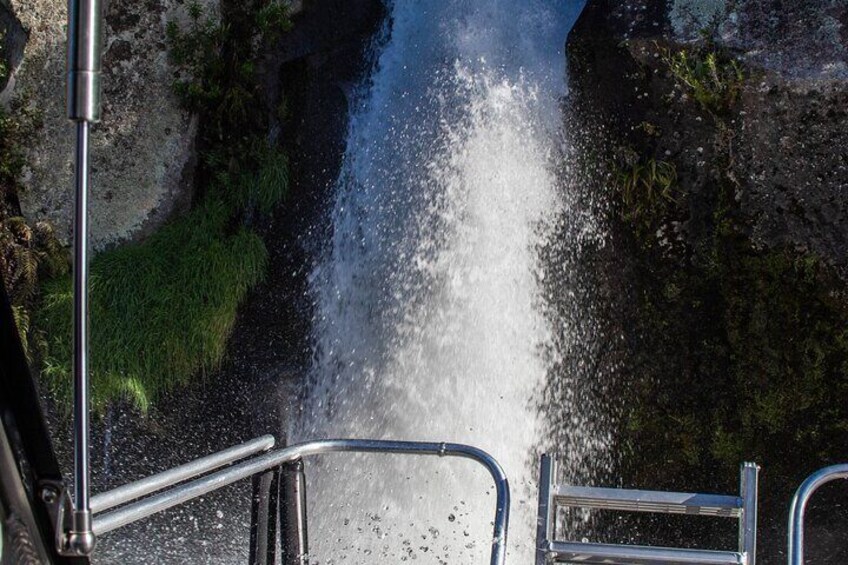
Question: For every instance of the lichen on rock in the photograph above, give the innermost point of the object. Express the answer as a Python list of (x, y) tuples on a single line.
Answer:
[(143, 150)]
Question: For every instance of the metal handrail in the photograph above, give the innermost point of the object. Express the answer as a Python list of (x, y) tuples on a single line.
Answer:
[(149, 485), (799, 507), (130, 513)]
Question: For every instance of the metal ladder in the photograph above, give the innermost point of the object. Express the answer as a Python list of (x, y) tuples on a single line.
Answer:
[(553, 496)]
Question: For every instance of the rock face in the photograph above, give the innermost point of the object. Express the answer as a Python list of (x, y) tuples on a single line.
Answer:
[(768, 173), (12, 41), (142, 151), (791, 116), (794, 114)]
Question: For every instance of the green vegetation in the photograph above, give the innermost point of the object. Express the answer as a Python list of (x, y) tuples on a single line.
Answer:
[(28, 253), (4, 68), (197, 53), (709, 75), (162, 310), (646, 188), (741, 354), (216, 62), (217, 79), (259, 179)]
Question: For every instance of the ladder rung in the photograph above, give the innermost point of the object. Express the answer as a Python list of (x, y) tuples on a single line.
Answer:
[(599, 553), (648, 501)]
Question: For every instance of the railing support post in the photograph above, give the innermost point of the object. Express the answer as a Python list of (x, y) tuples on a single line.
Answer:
[(547, 511), (294, 538), (748, 487), (263, 518)]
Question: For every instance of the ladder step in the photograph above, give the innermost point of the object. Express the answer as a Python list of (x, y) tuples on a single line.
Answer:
[(605, 554), (648, 501)]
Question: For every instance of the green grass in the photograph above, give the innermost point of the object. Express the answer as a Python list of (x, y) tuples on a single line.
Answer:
[(646, 188), (161, 311), (712, 78), (256, 179)]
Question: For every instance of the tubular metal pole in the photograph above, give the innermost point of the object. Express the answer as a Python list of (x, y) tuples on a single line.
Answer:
[(263, 518), (546, 519), (81, 449), (799, 507), (165, 479), (748, 489), (84, 49), (84, 28), (81, 538), (295, 539)]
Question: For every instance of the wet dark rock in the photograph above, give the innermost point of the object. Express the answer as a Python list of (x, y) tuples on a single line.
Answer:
[(780, 149), (795, 177), (791, 116), (324, 26), (13, 38)]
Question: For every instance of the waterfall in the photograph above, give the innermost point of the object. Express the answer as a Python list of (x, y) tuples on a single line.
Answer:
[(430, 315)]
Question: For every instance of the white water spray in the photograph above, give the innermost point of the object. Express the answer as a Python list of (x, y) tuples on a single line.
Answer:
[(430, 319)]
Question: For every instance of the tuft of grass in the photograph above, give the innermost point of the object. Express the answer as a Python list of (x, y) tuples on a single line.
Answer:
[(161, 311), (712, 78), (272, 180), (647, 190), (258, 178)]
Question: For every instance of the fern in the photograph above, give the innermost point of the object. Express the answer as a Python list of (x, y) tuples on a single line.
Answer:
[(22, 321)]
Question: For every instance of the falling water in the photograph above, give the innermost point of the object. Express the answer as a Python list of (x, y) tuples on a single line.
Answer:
[(430, 315)]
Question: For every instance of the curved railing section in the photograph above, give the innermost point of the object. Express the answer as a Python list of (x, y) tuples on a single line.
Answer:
[(259, 464), (799, 507)]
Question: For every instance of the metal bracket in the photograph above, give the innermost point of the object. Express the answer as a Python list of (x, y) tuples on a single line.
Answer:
[(68, 541), (57, 500)]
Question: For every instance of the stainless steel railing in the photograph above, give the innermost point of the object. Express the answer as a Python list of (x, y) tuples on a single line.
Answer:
[(799, 507), (171, 494), (154, 483), (83, 104)]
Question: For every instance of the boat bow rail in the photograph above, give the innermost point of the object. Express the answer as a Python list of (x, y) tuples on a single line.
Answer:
[(798, 508), (279, 489)]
